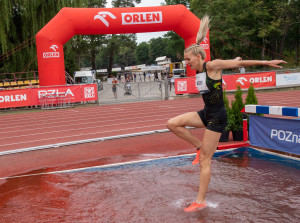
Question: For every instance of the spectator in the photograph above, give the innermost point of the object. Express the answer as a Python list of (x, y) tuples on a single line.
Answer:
[(114, 87)]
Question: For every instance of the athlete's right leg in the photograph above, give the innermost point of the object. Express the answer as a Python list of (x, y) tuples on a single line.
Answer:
[(177, 126)]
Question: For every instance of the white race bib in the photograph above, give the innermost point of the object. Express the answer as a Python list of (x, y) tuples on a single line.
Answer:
[(201, 83)]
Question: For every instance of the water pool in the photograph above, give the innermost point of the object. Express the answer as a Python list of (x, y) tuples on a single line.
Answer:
[(247, 185)]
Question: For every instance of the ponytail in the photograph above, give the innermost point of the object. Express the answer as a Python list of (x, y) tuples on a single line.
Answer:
[(203, 29), (196, 48)]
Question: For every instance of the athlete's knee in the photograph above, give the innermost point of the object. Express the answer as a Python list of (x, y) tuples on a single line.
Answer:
[(172, 124), (204, 159)]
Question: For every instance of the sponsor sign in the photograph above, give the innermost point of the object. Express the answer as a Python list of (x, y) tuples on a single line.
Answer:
[(287, 79), (186, 86), (134, 18), (102, 15), (263, 79), (52, 54), (275, 133), (73, 93), (15, 98), (89, 93), (34, 96), (181, 86)]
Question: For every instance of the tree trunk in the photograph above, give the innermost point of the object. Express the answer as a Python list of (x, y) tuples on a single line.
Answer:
[(263, 50), (282, 43), (298, 46), (111, 60), (93, 53)]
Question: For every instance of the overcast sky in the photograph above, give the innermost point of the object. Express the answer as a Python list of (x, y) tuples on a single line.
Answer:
[(145, 37)]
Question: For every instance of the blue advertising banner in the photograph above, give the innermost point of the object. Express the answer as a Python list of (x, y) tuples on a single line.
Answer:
[(275, 133)]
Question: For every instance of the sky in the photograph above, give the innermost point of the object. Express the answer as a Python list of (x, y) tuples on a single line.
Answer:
[(145, 37)]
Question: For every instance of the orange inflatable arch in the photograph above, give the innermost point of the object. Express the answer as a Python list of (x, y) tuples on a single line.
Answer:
[(94, 21)]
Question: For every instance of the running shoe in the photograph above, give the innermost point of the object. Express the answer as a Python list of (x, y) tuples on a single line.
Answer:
[(195, 207), (196, 161)]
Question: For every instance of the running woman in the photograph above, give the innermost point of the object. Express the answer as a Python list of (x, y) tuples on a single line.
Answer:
[(213, 116)]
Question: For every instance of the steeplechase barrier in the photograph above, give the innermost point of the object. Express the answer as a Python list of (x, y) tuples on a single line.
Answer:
[(281, 134)]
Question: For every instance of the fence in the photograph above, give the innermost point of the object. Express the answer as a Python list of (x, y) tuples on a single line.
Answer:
[(55, 100), (134, 91)]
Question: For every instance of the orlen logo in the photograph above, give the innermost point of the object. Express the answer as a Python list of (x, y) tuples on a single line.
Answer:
[(102, 15), (182, 85), (133, 18), (54, 47), (54, 92), (51, 54), (89, 92), (205, 44), (241, 79)]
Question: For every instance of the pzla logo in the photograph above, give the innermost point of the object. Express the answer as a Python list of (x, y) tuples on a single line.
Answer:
[(89, 92), (51, 54), (102, 15), (54, 92)]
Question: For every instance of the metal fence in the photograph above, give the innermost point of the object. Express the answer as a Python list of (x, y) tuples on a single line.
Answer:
[(135, 91)]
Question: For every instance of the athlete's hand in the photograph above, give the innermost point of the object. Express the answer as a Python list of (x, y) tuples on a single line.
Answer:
[(238, 58), (274, 63)]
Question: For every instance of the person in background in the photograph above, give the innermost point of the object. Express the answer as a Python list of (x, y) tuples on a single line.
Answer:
[(114, 86)]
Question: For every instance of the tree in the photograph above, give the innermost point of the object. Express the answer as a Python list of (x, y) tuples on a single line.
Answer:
[(19, 23), (175, 46), (113, 43), (177, 2), (239, 29), (142, 53), (157, 48), (237, 105)]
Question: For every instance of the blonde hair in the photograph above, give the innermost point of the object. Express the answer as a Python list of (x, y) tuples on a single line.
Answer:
[(196, 48)]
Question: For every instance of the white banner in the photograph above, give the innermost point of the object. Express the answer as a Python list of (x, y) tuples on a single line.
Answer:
[(287, 79)]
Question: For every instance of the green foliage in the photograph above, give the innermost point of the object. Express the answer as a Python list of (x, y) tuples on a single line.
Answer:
[(157, 46), (251, 99), (228, 111), (237, 105), (271, 25), (124, 3), (275, 27), (142, 53), (177, 2), (19, 22), (175, 46)]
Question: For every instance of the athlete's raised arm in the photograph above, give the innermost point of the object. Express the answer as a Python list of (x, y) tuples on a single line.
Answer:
[(231, 64)]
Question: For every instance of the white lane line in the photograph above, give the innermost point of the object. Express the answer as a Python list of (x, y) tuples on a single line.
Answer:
[(62, 120), (72, 136), (98, 167), (109, 165), (107, 119), (79, 129)]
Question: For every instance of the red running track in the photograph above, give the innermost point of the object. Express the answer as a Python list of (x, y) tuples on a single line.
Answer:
[(51, 127)]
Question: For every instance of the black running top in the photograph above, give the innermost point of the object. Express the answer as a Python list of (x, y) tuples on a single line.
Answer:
[(213, 99)]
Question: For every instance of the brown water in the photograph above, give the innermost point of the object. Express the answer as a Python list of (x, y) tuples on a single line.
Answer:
[(245, 187)]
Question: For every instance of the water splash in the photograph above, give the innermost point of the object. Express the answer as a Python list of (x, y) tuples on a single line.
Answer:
[(211, 204), (179, 203)]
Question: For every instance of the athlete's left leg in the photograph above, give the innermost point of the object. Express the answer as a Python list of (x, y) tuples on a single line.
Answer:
[(209, 145)]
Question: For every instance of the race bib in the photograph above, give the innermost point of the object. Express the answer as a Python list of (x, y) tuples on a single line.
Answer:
[(201, 83)]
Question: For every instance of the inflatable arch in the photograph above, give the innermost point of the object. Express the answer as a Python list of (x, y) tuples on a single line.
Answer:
[(92, 21)]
